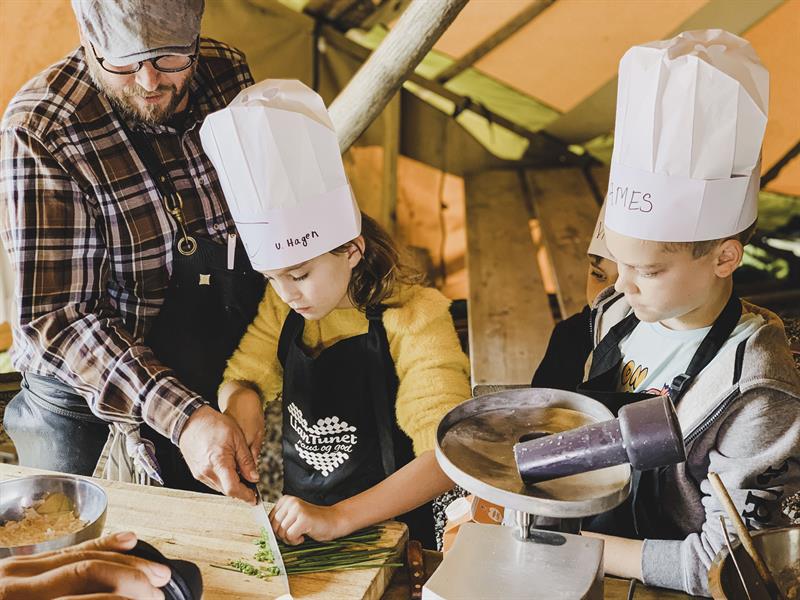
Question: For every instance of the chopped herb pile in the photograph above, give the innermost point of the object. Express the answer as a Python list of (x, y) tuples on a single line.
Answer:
[(358, 550), (261, 572)]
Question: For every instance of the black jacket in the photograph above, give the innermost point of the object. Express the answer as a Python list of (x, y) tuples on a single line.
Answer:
[(569, 346)]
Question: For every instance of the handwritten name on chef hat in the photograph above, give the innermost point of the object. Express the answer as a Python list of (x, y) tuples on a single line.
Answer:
[(277, 156), (691, 115)]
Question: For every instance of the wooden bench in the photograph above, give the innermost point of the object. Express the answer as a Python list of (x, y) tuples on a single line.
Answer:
[(508, 310), (509, 313), (567, 210)]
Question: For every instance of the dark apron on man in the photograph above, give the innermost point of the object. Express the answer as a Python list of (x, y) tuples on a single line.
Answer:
[(197, 330), (640, 516), (206, 310), (210, 301), (340, 434)]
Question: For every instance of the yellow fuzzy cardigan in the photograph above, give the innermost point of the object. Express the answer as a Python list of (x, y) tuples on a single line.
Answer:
[(432, 370)]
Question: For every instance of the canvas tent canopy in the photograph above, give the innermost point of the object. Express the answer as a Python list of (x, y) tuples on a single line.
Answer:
[(507, 69), (511, 82), (512, 68)]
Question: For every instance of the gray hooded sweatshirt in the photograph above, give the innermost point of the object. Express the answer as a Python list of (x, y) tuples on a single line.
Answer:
[(747, 432)]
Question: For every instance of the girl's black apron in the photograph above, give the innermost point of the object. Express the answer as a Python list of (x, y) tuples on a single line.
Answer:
[(640, 516), (340, 434)]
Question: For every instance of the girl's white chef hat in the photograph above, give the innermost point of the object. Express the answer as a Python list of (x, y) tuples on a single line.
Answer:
[(277, 156)]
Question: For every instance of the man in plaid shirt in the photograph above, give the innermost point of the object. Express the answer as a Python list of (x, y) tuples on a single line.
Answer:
[(91, 242)]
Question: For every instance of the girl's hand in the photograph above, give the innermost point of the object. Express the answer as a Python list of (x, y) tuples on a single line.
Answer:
[(244, 407), (292, 519)]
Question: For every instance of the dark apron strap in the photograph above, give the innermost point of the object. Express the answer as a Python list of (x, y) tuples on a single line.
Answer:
[(173, 203), (380, 382), (601, 384), (152, 163), (383, 383), (738, 364), (292, 326), (710, 346), (607, 354)]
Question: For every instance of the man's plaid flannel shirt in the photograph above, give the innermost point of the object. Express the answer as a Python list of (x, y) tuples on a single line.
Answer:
[(90, 240)]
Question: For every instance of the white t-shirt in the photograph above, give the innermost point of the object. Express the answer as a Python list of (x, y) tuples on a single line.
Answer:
[(653, 355)]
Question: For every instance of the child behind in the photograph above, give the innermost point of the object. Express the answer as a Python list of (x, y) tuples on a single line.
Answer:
[(570, 342), (364, 360)]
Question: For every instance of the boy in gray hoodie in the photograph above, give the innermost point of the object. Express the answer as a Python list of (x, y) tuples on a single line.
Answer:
[(681, 204)]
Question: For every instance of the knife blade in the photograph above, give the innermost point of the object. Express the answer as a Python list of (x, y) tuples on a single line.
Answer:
[(262, 518)]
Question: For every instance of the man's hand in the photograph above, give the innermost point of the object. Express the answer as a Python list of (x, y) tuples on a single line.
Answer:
[(244, 407), (94, 569), (215, 449), (292, 519)]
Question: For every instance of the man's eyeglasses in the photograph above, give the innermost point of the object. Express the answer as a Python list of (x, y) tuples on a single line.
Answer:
[(166, 63)]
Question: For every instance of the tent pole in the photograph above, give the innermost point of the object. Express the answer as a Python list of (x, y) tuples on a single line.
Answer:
[(391, 151), (775, 169), (378, 79)]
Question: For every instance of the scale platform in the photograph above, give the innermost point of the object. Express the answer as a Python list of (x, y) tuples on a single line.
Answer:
[(508, 569), (474, 448)]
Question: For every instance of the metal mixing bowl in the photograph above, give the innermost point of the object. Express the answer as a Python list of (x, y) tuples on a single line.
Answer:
[(89, 499), (780, 549)]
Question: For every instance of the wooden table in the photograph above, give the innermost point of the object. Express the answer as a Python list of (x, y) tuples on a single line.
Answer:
[(207, 529)]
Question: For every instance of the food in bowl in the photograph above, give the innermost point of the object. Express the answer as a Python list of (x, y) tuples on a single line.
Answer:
[(88, 501), (780, 549), (48, 518), (789, 580)]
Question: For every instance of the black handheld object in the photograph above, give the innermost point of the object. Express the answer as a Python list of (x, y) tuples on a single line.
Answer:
[(186, 582), (646, 435)]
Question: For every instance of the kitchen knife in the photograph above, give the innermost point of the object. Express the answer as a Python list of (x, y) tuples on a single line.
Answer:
[(262, 518)]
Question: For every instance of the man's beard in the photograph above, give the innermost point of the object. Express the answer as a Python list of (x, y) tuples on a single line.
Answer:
[(154, 114)]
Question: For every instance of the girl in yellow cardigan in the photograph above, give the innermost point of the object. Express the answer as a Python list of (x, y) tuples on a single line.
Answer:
[(366, 361)]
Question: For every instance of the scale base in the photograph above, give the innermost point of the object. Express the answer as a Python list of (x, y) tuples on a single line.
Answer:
[(489, 561)]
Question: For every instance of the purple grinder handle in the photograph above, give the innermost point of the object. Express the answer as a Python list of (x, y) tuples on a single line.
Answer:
[(569, 452)]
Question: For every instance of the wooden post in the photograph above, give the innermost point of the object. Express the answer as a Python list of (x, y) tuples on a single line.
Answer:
[(391, 151), (378, 79)]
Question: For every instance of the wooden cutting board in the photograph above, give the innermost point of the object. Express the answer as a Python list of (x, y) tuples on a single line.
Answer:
[(207, 529)]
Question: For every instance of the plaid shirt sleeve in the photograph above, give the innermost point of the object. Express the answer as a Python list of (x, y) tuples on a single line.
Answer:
[(69, 324)]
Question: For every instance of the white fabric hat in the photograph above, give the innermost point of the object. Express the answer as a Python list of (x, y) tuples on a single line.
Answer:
[(691, 115), (279, 164), (598, 244)]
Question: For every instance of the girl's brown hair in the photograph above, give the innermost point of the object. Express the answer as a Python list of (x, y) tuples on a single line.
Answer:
[(381, 269)]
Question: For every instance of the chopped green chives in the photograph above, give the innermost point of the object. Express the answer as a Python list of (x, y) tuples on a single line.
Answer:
[(355, 551)]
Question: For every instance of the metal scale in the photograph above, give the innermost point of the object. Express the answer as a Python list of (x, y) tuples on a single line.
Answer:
[(542, 555)]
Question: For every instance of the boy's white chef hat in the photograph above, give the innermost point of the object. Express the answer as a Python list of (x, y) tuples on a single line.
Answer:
[(277, 156), (691, 114), (598, 244)]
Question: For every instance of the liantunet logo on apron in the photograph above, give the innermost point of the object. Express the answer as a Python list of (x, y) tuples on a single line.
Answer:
[(325, 445)]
